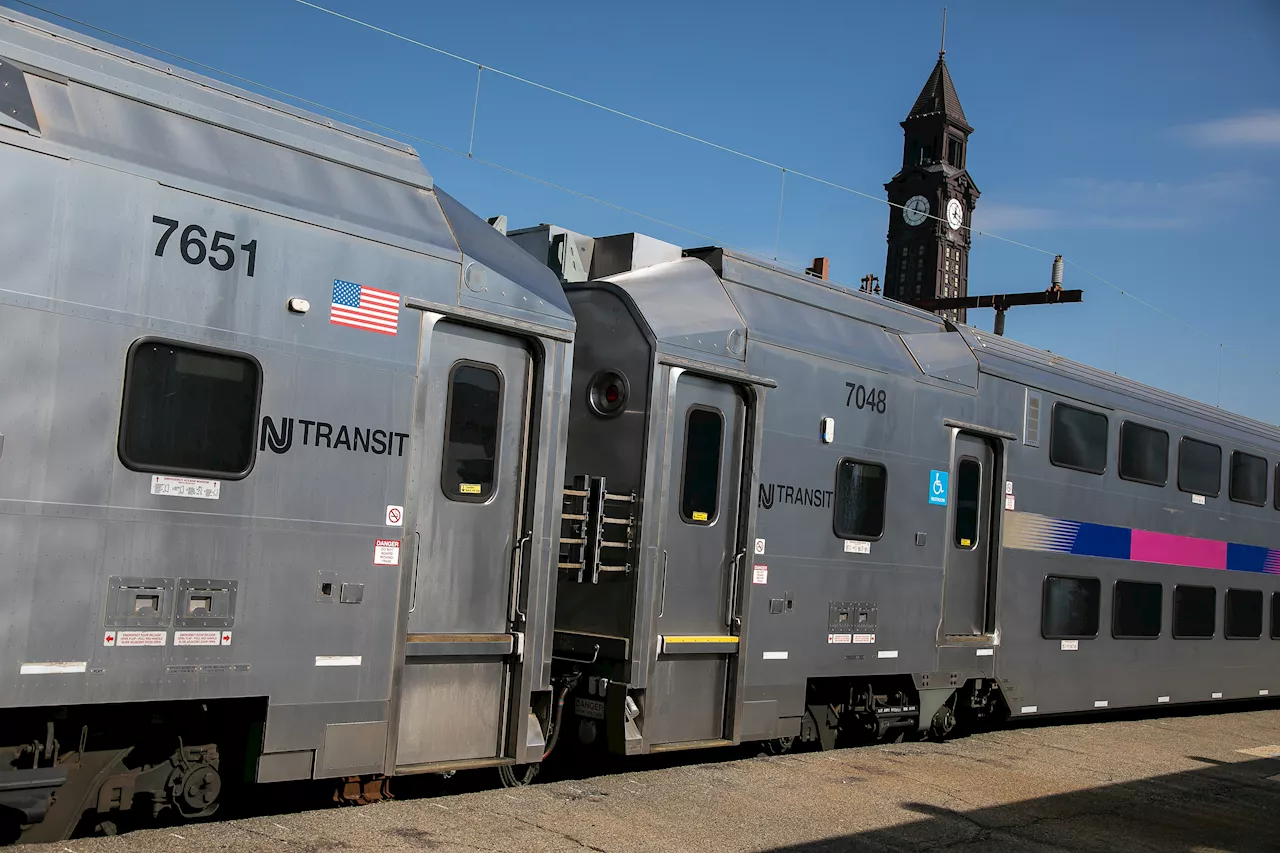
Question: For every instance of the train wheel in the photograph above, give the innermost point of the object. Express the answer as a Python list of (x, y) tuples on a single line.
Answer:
[(778, 746)]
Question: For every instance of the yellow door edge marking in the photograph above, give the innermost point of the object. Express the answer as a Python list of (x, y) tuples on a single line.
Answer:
[(724, 639)]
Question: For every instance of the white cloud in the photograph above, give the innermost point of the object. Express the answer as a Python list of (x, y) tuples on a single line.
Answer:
[(1013, 217), (1261, 127)]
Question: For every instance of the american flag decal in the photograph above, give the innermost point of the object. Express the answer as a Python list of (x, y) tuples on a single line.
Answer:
[(365, 308)]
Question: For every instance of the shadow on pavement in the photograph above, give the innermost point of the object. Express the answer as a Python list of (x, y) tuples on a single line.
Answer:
[(1231, 807)]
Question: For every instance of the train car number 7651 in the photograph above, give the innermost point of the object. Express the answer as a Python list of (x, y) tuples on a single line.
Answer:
[(221, 251)]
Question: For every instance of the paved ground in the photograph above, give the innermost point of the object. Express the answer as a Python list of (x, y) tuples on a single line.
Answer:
[(1188, 783)]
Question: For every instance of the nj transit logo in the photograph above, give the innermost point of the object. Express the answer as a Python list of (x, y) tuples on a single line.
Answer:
[(938, 487)]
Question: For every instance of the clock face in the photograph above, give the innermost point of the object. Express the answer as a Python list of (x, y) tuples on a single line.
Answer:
[(916, 210), (955, 214)]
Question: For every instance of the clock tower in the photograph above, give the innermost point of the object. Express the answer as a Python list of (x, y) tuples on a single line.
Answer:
[(933, 199)]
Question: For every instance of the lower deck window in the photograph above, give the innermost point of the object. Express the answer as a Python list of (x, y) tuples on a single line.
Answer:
[(1136, 610), (860, 499), (1194, 612), (1070, 607), (1275, 615), (189, 410), (1243, 618)]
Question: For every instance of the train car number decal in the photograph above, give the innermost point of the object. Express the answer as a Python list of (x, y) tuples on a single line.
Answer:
[(862, 397), (220, 252)]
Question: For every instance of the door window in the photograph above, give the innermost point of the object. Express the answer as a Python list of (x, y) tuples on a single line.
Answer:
[(700, 479), (473, 413), (968, 495)]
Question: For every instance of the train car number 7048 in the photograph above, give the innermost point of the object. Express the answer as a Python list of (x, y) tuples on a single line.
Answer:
[(862, 397)]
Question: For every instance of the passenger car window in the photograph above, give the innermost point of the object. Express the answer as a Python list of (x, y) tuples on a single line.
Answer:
[(1243, 614), (1194, 612), (188, 410), (860, 499), (1144, 454), (968, 497), (1199, 467), (1275, 615), (469, 466), (1070, 608), (1078, 439), (1136, 610), (1248, 479), (700, 480)]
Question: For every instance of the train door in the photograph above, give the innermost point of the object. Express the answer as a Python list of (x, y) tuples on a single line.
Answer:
[(969, 551), (471, 428), (701, 558)]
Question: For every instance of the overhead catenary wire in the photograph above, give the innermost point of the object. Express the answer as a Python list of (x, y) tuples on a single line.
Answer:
[(470, 155)]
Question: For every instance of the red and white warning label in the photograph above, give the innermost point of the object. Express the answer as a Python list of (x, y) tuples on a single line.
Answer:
[(138, 638), (197, 638), (759, 574), (839, 638), (395, 516), (386, 552)]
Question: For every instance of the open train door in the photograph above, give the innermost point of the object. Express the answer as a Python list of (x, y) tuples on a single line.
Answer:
[(702, 555), (467, 493)]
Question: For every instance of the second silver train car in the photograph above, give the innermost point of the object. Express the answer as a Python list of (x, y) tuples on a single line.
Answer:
[(307, 472)]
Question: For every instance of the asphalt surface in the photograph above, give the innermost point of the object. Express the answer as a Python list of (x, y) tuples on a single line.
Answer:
[(1171, 784)]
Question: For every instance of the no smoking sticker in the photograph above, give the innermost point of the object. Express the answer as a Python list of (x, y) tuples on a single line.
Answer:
[(386, 552), (395, 516)]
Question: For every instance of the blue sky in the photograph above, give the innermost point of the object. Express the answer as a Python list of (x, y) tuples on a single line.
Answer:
[(1139, 139)]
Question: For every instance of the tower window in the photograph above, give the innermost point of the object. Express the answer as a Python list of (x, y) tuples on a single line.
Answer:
[(955, 152)]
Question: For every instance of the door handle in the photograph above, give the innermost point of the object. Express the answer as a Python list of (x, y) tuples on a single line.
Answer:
[(662, 596), (515, 614), (733, 588), (413, 593)]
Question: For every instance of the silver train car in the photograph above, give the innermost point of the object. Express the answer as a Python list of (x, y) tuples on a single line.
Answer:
[(307, 472)]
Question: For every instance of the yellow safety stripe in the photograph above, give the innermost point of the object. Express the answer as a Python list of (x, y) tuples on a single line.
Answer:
[(726, 639)]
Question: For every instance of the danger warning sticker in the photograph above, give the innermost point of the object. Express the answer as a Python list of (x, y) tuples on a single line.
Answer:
[(839, 638), (759, 574), (386, 552)]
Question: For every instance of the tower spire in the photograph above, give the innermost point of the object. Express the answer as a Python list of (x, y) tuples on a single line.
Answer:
[(942, 51)]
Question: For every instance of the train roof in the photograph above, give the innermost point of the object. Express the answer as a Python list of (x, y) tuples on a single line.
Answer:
[(117, 106)]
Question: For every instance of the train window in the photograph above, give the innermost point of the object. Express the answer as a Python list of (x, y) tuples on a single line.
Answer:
[(1144, 454), (189, 410), (1194, 612), (1199, 467), (968, 488), (1078, 439), (700, 481), (1137, 610), (1275, 615), (860, 499), (468, 469), (1243, 617), (1070, 609), (1248, 479)]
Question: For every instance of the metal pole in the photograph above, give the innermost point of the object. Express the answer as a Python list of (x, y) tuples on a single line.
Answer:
[(999, 327)]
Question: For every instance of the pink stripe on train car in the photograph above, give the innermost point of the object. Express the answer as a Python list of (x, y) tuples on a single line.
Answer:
[(1149, 547)]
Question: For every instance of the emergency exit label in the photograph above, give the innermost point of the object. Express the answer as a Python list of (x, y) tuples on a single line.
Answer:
[(386, 552)]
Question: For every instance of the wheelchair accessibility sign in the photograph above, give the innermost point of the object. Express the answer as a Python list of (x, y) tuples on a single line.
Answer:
[(938, 487)]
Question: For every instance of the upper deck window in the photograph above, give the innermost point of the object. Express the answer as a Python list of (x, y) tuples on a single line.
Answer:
[(1078, 439), (1199, 467), (1144, 454), (1248, 479), (189, 410)]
